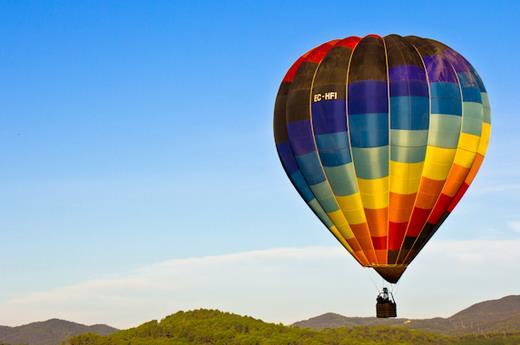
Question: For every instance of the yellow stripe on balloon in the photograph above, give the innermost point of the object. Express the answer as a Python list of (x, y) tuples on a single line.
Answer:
[(468, 142), (484, 140), (352, 207), (340, 237), (374, 192), (437, 162), (464, 158), (405, 177), (341, 223)]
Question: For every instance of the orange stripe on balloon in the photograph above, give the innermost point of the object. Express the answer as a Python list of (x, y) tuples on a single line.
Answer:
[(382, 254), (377, 219), (358, 252), (469, 179), (455, 179), (474, 168), (401, 206), (360, 257), (361, 232), (459, 196), (428, 193)]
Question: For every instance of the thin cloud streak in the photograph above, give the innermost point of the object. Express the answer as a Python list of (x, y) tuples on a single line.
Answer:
[(496, 188), (514, 225), (279, 285)]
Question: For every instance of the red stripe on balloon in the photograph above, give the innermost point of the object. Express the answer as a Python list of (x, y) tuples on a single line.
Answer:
[(417, 221), (379, 242), (442, 204), (319, 53), (396, 233), (349, 42)]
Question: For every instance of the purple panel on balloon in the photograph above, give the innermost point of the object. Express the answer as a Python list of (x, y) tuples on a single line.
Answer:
[(300, 136), (287, 157), (439, 70), (329, 116), (374, 90), (406, 72)]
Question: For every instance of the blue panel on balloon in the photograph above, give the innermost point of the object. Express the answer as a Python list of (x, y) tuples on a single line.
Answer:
[(471, 94), (332, 141), (445, 90), (301, 186), (332, 158), (446, 106), (287, 157), (310, 167), (375, 91), (368, 130), (329, 116)]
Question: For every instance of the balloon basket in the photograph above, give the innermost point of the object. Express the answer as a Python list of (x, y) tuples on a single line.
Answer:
[(386, 309)]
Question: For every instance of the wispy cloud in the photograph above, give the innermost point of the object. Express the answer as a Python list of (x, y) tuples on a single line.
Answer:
[(514, 225), (281, 285), (497, 188)]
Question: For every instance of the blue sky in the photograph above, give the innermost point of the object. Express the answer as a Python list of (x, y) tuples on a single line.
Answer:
[(138, 132)]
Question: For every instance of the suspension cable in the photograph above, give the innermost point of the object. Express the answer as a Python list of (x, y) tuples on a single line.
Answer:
[(369, 271)]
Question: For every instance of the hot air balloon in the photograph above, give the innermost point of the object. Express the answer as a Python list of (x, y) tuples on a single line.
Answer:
[(381, 137)]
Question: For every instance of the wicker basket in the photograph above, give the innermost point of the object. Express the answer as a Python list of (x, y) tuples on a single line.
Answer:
[(386, 309)]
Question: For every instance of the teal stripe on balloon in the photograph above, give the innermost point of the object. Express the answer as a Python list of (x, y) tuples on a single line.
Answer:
[(444, 130), (316, 207), (408, 146), (371, 162), (472, 122), (342, 179), (404, 154), (324, 195)]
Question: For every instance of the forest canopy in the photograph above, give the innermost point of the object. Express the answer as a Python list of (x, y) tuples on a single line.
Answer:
[(205, 327)]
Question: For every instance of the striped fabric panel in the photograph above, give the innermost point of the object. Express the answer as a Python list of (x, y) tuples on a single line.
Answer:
[(328, 111), (445, 112), (466, 156), (300, 134), (409, 122), (368, 127), (288, 160), (482, 148), (471, 133), (382, 137)]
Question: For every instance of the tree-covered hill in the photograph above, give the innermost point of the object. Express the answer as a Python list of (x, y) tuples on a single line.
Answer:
[(205, 327)]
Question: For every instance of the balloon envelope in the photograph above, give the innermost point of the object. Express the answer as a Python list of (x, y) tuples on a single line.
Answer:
[(381, 136)]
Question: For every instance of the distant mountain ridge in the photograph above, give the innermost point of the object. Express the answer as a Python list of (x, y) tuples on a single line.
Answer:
[(494, 316), (500, 317), (50, 332)]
